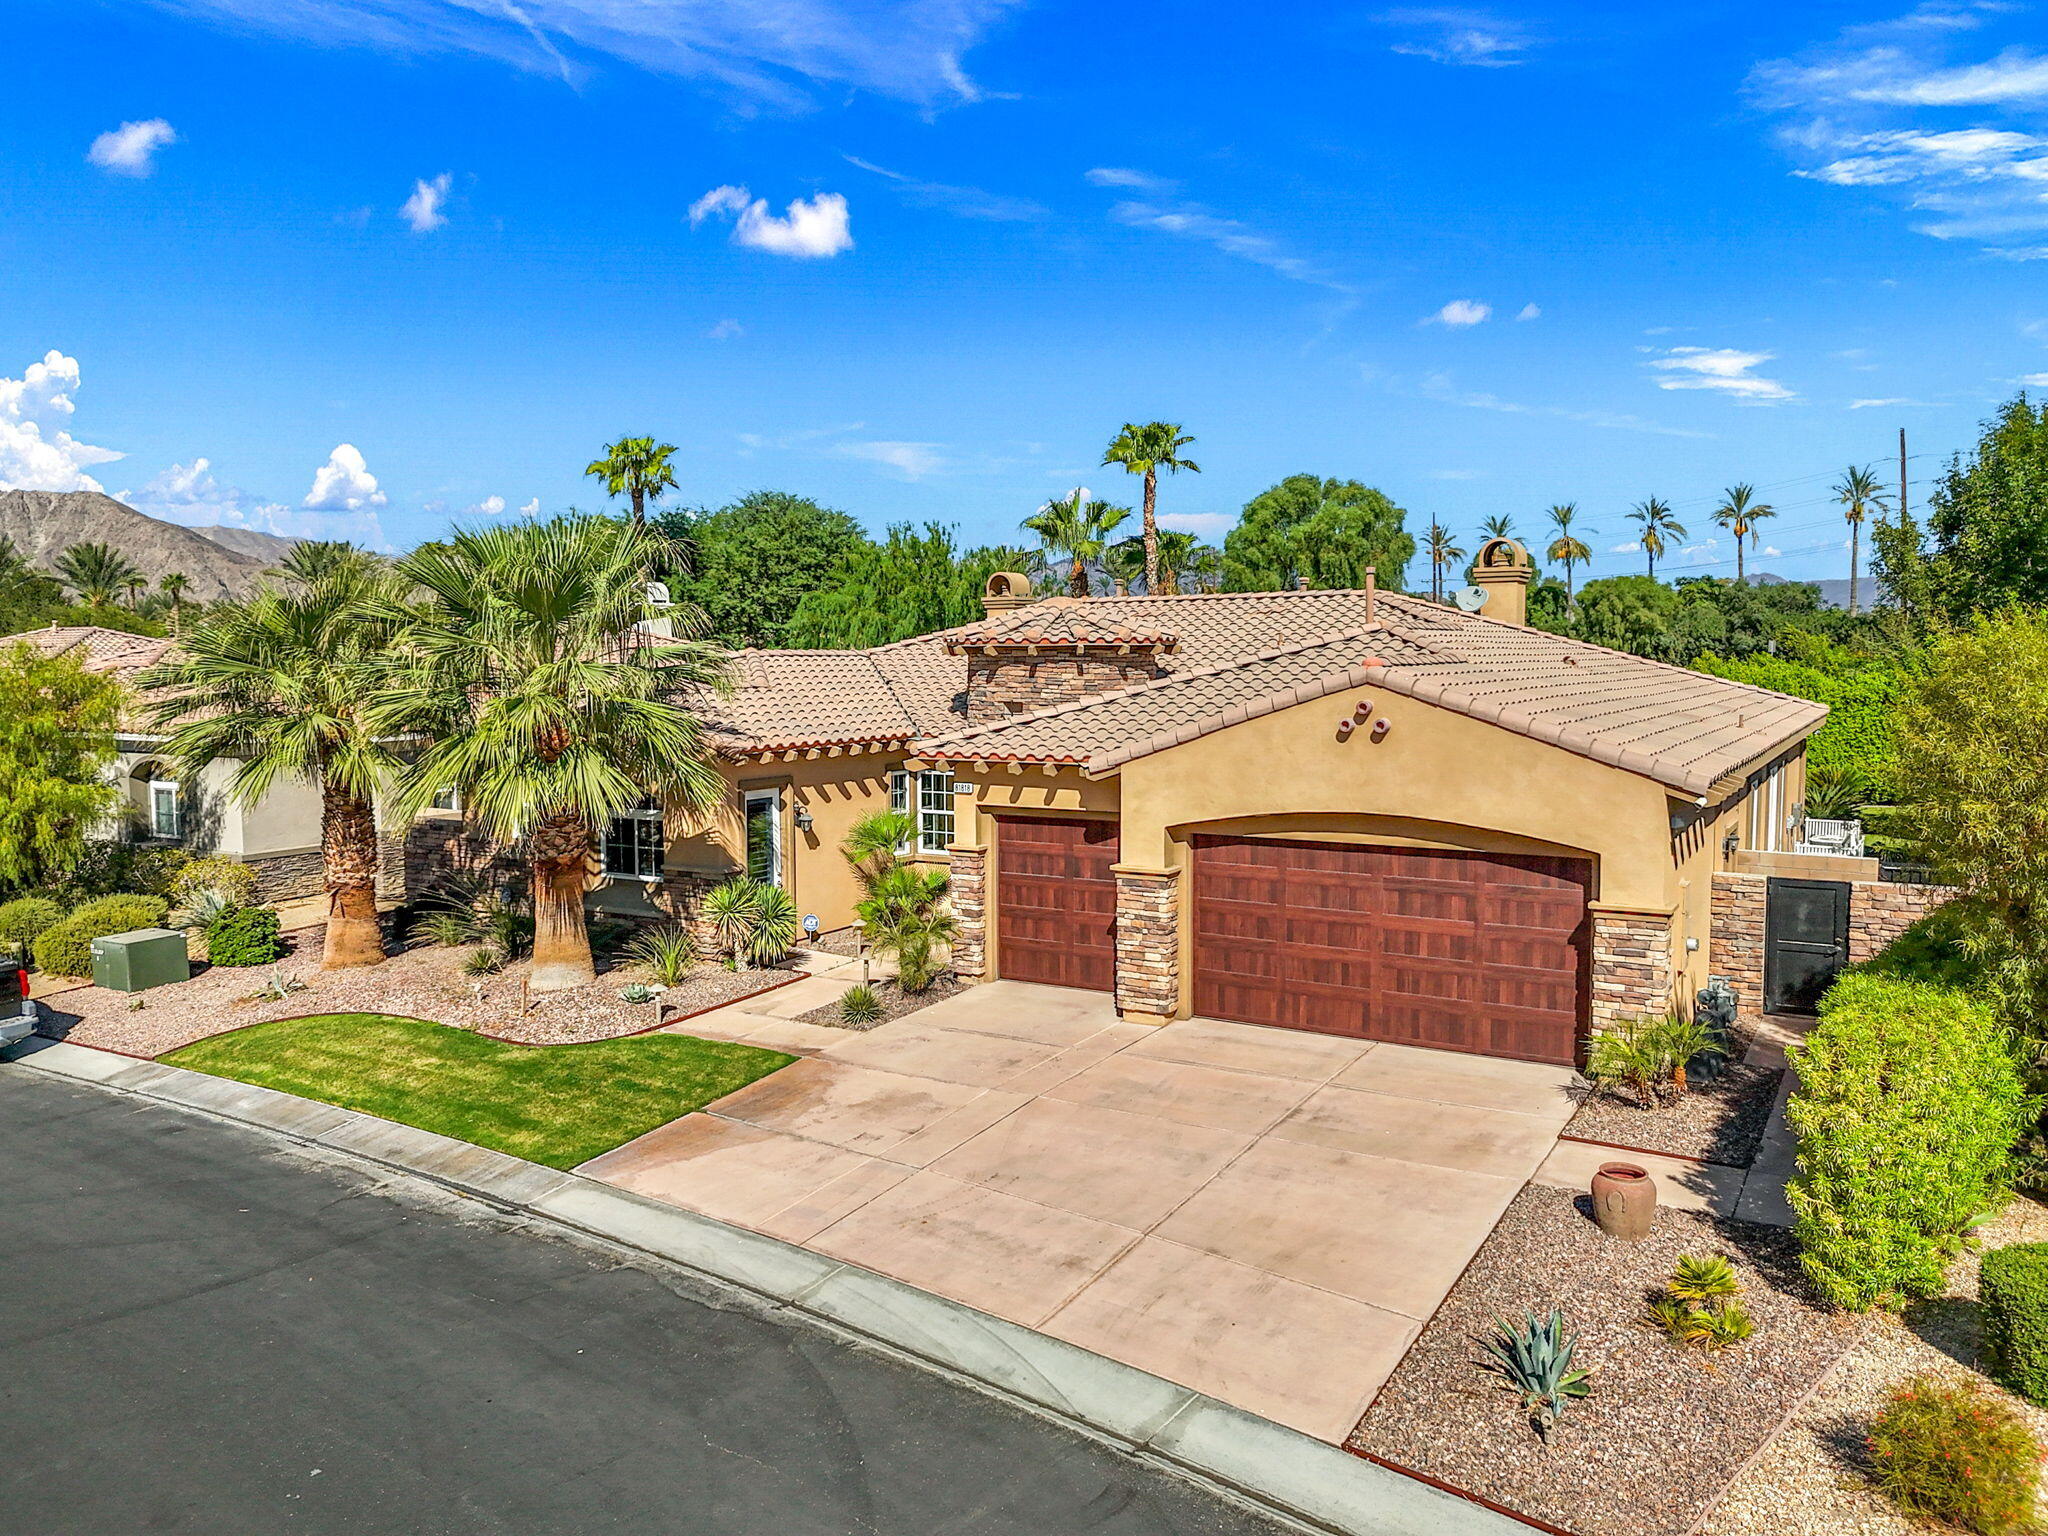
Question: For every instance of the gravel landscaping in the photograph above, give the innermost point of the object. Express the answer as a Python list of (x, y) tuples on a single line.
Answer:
[(1812, 1477), (419, 983), (1665, 1428), (1721, 1122), (894, 1000)]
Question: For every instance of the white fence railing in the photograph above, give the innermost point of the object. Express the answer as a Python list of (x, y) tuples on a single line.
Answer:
[(1842, 838)]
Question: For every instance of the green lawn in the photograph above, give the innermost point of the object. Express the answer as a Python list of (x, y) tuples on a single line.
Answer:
[(555, 1104)]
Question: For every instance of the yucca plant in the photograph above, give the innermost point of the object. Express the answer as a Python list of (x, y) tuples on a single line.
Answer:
[(776, 926), (668, 952), (447, 928), (1534, 1360), (482, 961), (729, 908), (859, 1006)]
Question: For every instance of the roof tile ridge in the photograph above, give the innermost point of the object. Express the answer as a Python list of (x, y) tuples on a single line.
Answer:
[(1356, 675)]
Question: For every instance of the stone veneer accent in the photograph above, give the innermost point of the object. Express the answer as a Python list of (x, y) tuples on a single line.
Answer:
[(1010, 682), (436, 846), (1879, 911), (1632, 970), (288, 876), (1148, 941), (969, 895)]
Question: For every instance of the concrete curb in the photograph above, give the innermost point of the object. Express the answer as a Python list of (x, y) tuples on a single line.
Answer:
[(1276, 1470)]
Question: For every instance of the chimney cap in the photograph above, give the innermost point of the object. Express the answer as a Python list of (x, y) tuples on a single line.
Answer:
[(1006, 590)]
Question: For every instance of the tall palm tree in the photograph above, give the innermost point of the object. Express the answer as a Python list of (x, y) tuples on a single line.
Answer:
[(545, 705), (1442, 552), (1567, 548), (1739, 513), (1659, 528), (289, 680), (95, 573), (1859, 494), (1145, 450), (637, 467), (135, 586), (174, 587), (1076, 531), (1499, 526)]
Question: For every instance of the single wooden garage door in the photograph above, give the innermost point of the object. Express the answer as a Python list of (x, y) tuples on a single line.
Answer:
[(1484, 953), (1056, 901)]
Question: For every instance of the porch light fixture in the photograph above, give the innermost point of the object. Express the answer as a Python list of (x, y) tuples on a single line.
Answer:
[(804, 820)]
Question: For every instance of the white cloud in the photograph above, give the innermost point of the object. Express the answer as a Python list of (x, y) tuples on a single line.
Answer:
[(1529, 312), (1725, 370), (37, 453), (1191, 221), (812, 227), (130, 150), (343, 484), (1625, 549), (190, 494), (490, 506), (423, 209), (1460, 313), (1865, 405), (962, 202), (913, 461), (1440, 386), (530, 508), (1209, 525), (1456, 474), (1459, 36), (1771, 551), (1124, 176), (726, 330)]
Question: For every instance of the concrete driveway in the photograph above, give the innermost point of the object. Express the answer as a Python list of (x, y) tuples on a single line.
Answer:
[(1262, 1215)]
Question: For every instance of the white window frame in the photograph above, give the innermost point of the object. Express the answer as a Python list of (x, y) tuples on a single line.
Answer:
[(772, 797), (177, 805), (449, 799), (646, 819), (933, 811)]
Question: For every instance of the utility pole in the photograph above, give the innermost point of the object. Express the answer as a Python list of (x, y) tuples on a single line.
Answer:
[(1902, 477)]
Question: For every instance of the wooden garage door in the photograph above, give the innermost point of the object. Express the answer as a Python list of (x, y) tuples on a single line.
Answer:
[(1056, 901), (1463, 951)]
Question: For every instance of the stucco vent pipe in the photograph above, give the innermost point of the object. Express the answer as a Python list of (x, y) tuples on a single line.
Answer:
[(1372, 589)]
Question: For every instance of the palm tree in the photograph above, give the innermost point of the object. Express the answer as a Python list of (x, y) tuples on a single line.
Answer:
[(1567, 548), (135, 586), (905, 915), (637, 467), (95, 573), (1739, 513), (289, 680), (1859, 495), (1076, 531), (1184, 560), (1499, 526), (1442, 552), (1123, 565), (546, 707), (174, 586), (1145, 450), (1659, 528)]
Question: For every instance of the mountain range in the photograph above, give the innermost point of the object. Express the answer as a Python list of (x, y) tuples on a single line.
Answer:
[(215, 562)]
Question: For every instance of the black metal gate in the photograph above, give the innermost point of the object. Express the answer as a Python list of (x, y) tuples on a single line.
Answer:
[(1806, 941)]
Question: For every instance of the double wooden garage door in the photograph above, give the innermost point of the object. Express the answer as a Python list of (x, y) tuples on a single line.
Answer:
[(1461, 951)]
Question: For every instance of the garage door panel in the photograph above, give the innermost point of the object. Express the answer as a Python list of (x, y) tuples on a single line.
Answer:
[(1055, 899)]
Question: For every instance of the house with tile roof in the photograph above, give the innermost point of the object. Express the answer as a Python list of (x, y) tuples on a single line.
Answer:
[(1356, 812)]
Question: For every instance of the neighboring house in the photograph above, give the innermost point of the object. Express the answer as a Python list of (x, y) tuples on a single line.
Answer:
[(279, 835), (1350, 811)]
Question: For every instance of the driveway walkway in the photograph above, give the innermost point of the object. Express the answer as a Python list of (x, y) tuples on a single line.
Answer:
[(1262, 1215)]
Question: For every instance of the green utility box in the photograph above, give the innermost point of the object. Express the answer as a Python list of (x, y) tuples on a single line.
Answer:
[(137, 961)]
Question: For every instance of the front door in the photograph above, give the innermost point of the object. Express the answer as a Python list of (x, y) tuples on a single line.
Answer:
[(1806, 942)]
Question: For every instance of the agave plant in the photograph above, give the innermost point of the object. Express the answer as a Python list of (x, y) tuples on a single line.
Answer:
[(1534, 1360), (668, 952), (859, 1007)]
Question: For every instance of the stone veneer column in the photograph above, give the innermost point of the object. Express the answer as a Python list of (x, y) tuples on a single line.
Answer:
[(682, 894), (969, 894), (1632, 972), (1147, 943), (1735, 948)]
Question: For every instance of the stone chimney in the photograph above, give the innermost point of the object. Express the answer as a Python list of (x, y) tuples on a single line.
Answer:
[(1053, 652), (1004, 591), (1502, 570)]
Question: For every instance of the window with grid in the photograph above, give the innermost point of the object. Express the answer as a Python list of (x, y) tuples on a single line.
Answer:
[(633, 844), (933, 808)]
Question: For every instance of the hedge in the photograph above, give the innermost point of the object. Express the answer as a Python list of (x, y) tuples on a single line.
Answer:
[(1908, 1105), (28, 918), (66, 948), (2013, 1285), (244, 936)]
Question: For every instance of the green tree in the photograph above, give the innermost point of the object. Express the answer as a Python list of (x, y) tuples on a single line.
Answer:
[(1501, 525), (1444, 551), (96, 574), (1739, 513), (57, 726), (174, 587), (1123, 565), (1659, 528), (1860, 495), (1146, 450), (545, 707), (1074, 532), (748, 566), (1185, 562), (1328, 531), (911, 583), (637, 467), (1859, 738), (1567, 548), (289, 681)]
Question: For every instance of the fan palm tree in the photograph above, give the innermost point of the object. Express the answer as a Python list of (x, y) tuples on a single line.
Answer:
[(1145, 450), (1074, 532), (1860, 496), (95, 573), (1739, 513), (174, 586), (289, 679), (1123, 565), (1659, 528), (1442, 552), (637, 467), (1568, 549), (546, 707), (1499, 526), (1185, 561)]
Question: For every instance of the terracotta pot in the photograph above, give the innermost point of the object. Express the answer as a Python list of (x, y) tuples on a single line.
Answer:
[(1624, 1200)]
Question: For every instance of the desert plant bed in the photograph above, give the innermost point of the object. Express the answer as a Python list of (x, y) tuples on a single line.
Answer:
[(1665, 1427), (427, 983), (558, 1105), (1815, 1475), (894, 1000), (1719, 1121)]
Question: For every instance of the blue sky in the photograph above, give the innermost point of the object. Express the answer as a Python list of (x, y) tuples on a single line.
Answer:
[(378, 263)]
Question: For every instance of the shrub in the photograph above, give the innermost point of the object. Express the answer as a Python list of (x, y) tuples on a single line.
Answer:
[(120, 914), (482, 961), (64, 950), (26, 919), (106, 867), (1908, 1105), (1699, 1305), (859, 1005), (1654, 1055), (668, 951), (245, 936), (1951, 1450), (1930, 949), (906, 915), (2014, 1288), (752, 920), (234, 883), (446, 928)]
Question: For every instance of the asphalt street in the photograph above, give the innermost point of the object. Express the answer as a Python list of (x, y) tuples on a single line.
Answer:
[(206, 1330)]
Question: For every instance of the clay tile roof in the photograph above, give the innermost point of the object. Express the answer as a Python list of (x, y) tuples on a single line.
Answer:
[(100, 650), (1060, 622), (785, 699)]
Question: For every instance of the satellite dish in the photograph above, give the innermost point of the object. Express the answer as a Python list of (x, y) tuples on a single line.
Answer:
[(1471, 599)]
